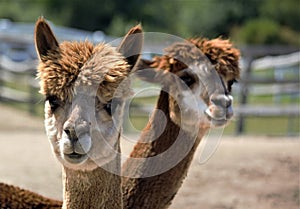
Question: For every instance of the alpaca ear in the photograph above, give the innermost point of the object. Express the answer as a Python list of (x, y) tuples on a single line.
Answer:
[(131, 45), (44, 38)]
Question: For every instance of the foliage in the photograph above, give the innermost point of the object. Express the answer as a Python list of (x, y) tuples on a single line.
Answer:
[(17, 10), (251, 21), (278, 22), (259, 31), (286, 13)]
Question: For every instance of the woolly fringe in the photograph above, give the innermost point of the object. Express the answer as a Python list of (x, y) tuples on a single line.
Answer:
[(221, 54)]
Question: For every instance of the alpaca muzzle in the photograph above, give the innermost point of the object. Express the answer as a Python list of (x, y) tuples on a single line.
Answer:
[(220, 111), (76, 142)]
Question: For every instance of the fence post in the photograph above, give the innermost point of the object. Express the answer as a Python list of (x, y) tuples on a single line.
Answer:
[(243, 98), (1, 83), (32, 93)]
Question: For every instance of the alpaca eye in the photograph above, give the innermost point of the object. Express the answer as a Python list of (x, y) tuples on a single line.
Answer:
[(188, 80), (112, 105), (54, 102), (230, 83), (107, 108)]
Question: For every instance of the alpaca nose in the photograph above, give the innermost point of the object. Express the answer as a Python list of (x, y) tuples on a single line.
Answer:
[(71, 132), (77, 140), (222, 106), (224, 101), (75, 130)]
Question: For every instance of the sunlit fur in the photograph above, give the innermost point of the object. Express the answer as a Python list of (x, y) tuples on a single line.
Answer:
[(157, 192), (217, 54), (222, 54), (63, 66), (85, 66), (81, 82)]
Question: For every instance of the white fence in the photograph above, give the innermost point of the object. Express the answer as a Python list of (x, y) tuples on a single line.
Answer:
[(275, 76)]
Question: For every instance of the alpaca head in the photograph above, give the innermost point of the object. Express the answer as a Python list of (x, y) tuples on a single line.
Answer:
[(205, 68), (85, 87)]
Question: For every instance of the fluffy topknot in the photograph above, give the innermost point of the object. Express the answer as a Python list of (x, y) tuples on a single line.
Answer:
[(223, 55), (220, 53), (99, 65)]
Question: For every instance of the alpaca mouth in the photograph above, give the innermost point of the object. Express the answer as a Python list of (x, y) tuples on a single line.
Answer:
[(75, 158), (215, 121)]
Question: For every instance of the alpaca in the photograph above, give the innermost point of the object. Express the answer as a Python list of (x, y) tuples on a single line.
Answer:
[(80, 82), (158, 191), (16, 198), (225, 61)]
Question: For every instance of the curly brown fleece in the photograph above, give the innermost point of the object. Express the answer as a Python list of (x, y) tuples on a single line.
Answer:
[(220, 52), (94, 65)]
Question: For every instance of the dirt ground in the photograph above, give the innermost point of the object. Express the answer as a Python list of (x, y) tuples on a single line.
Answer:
[(244, 173)]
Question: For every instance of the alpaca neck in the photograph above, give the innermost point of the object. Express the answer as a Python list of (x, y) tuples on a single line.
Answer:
[(159, 190), (94, 189)]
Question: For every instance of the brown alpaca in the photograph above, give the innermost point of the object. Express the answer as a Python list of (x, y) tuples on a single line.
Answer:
[(224, 60), (80, 82), (15, 198), (158, 191), (85, 87)]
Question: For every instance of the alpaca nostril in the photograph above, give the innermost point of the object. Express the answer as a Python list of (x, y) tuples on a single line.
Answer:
[(221, 100), (71, 133), (76, 130), (228, 102), (67, 131)]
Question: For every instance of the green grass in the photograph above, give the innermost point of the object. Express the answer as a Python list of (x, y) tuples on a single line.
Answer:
[(137, 123), (19, 82), (38, 107), (145, 100), (271, 126), (274, 126)]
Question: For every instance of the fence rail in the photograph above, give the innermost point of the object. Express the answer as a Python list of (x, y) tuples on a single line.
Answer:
[(283, 82), (267, 111), (18, 83)]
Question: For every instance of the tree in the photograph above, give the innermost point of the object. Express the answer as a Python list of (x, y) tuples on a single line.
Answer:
[(185, 18)]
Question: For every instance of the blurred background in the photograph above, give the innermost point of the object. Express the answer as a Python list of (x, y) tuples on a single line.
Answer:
[(257, 161), (267, 32)]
